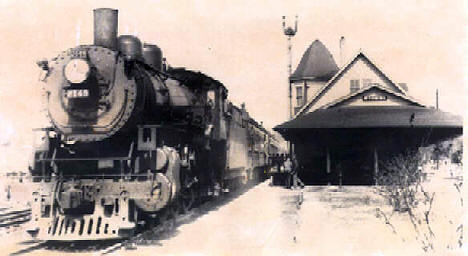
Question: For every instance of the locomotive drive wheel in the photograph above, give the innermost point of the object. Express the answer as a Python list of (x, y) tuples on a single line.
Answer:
[(187, 199), (168, 216)]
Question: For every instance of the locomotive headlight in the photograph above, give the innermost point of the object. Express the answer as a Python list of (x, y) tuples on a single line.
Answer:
[(77, 70)]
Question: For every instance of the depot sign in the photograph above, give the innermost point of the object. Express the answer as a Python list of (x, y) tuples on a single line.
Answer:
[(374, 97)]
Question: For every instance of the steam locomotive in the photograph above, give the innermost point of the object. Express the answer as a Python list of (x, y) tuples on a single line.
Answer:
[(131, 138)]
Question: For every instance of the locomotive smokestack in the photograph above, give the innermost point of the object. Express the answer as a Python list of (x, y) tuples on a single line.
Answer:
[(105, 27)]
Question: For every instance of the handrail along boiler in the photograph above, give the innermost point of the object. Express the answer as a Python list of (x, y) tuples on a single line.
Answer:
[(132, 138)]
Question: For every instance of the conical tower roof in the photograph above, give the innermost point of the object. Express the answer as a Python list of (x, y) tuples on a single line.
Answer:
[(316, 63)]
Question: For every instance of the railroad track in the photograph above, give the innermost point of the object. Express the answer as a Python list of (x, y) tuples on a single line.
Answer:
[(150, 235), (12, 217), (36, 245), (145, 237)]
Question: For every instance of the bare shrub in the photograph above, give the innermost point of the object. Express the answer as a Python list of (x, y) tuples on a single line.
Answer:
[(401, 183), (400, 178)]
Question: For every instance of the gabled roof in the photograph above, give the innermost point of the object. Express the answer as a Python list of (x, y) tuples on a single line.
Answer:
[(316, 63), (367, 88), (322, 91)]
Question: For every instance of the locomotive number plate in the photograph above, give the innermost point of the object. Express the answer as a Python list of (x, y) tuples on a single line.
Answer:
[(78, 53), (77, 93)]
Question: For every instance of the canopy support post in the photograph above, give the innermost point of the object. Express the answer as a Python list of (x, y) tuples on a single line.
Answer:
[(328, 166), (376, 165)]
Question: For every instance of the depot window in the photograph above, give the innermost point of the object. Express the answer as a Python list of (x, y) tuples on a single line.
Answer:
[(354, 87), (366, 82), (299, 95)]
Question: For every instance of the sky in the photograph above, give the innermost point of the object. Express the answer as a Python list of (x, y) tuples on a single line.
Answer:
[(241, 44)]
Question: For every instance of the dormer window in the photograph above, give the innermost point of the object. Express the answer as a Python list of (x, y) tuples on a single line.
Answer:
[(366, 82), (299, 96), (354, 87)]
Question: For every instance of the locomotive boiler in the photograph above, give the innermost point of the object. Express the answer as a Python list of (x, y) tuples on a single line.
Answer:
[(132, 139)]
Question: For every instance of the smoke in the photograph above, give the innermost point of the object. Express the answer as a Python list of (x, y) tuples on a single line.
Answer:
[(78, 32), (6, 135), (6, 132), (15, 146)]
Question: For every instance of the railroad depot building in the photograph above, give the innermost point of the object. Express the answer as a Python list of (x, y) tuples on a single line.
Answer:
[(348, 120)]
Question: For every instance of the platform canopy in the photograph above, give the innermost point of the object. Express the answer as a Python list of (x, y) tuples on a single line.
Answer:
[(375, 117), (355, 140)]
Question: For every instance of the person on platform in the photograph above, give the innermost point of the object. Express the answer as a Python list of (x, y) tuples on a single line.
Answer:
[(294, 176), (287, 165), (278, 163)]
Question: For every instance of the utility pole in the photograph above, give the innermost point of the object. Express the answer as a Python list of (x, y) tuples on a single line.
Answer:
[(289, 32), (342, 45)]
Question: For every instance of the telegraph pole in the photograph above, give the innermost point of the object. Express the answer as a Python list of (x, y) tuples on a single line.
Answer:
[(289, 32)]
